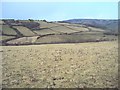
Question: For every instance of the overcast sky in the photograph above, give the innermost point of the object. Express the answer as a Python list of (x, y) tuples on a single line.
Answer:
[(52, 11)]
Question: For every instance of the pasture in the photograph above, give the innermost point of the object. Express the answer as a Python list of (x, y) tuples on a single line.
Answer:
[(80, 65)]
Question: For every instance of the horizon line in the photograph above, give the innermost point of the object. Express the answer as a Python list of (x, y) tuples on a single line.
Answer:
[(65, 19)]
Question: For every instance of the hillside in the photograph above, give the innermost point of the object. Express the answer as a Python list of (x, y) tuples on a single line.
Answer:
[(87, 59), (27, 32), (99, 23), (81, 65)]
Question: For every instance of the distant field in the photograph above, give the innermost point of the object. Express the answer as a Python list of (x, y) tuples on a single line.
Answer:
[(7, 37), (46, 24), (23, 40), (7, 30), (96, 29), (63, 29), (81, 65), (1, 22), (79, 28), (17, 32), (76, 38), (25, 31), (45, 32)]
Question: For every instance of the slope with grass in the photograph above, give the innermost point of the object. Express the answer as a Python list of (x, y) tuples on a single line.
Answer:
[(82, 65), (51, 32), (107, 24), (7, 30), (25, 31), (23, 41), (44, 24), (45, 32)]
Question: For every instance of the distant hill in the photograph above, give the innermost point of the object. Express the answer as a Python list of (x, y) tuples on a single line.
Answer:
[(99, 23), (27, 32)]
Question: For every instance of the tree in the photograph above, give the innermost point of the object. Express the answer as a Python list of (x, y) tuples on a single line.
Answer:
[(31, 20)]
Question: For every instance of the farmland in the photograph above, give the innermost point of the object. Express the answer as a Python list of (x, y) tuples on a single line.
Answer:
[(7, 30), (14, 31), (43, 54), (24, 31), (45, 32), (61, 65)]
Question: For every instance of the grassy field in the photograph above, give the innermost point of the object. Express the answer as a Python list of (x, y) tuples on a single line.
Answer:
[(25, 31), (45, 32), (1, 22), (6, 37), (63, 29), (23, 40), (75, 38), (7, 30), (46, 24), (93, 65), (96, 29), (78, 29)]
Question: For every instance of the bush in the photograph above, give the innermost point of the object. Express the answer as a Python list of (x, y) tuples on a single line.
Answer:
[(31, 20), (44, 20)]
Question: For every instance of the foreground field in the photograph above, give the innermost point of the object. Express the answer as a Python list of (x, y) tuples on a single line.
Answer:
[(93, 65)]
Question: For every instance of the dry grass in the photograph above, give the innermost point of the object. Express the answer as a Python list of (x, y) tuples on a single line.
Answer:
[(63, 29), (6, 37), (45, 31), (7, 30), (93, 65), (46, 25), (76, 28), (1, 22), (96, 29), (25, 31), (23, 40)]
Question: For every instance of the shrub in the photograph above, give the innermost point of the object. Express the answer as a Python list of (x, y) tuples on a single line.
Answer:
[(44, 20), (31, 20)]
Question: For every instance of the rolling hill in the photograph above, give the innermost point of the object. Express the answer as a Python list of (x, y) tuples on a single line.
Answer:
[(27, 32), (89, 59), (99, 23)]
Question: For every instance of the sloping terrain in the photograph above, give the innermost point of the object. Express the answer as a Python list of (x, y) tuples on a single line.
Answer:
[(24, 31), (46, 31), (42, 31), (99, 23), (81, 65), (6, 30), (89, 59)]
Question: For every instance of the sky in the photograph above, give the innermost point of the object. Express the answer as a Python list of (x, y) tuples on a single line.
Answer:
[(57, 11)]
